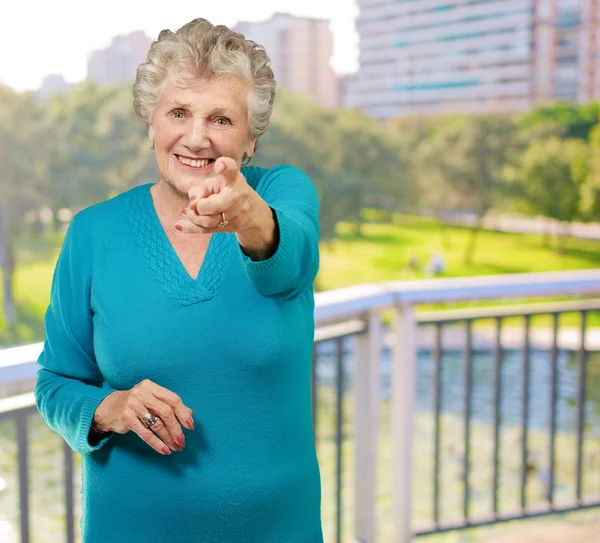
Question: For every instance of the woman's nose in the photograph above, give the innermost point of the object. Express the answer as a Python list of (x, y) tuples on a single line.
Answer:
[(196, 136)]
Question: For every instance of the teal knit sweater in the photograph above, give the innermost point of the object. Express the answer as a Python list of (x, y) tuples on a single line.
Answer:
[(235, 344)]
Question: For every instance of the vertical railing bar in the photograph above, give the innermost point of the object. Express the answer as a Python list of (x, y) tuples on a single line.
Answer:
[(23, 453), (524, 414), (467, 411), (497, 411), (404, 382), (69, 501), (313, 389), (581, 374), (553, 405), (367, 360), (339, 388), (437, 391)]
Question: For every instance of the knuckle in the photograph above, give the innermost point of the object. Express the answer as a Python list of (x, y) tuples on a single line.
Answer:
[(164, 411)]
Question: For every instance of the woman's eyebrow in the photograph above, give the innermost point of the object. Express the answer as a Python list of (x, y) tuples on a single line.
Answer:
[(179, 104), (214, 111), (220, 111)]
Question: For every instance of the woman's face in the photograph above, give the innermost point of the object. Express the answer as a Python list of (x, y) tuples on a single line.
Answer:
[(206, 121)]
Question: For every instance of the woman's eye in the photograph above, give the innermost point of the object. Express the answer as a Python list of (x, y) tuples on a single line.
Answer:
[(177, 112), (223, 121)]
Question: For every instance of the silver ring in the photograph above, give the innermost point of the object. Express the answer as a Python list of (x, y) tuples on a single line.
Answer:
[(223, 223), (149, 420)]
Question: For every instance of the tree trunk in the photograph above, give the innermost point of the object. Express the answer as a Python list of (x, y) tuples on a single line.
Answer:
[(7, 265), (445, 234), (547, 235), (470, 250), (563, 234), (359, 231)]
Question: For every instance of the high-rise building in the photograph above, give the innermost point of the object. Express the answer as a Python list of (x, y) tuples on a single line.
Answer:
[(300, 50), (441, 56), (117, 64)]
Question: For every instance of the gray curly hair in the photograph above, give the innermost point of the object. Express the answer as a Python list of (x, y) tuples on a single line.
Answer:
[(205, 50)]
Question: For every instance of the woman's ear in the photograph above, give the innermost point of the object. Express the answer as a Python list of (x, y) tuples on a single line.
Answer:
[(151, 134), (250, 147)]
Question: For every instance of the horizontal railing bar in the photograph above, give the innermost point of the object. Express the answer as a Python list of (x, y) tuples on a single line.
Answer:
[(339, 303), (325, 332), (487, 520), (341, 329), (522, 310), (11, 406)]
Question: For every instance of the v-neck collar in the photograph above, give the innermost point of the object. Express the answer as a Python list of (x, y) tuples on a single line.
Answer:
[(175, 281)]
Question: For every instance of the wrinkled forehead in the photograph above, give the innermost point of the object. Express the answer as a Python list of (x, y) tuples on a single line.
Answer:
[(224, 92)]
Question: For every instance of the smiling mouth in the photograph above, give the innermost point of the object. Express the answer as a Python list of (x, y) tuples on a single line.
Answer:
[(195, 163)]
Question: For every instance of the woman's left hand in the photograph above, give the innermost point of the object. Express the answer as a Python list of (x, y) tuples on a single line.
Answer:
[(226, 192)]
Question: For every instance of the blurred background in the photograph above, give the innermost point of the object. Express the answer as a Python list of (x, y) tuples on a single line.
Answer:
[(456, 148)]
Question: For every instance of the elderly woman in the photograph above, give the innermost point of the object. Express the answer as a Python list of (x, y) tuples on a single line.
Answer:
[(180, 327)]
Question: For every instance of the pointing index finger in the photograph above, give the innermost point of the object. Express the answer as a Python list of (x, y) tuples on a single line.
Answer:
[(226, 166)]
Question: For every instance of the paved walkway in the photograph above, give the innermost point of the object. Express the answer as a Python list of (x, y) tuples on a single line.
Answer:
[(552, 532), (538, 225)]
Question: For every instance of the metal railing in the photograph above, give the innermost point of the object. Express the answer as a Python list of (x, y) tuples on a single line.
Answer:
[(355, 314)]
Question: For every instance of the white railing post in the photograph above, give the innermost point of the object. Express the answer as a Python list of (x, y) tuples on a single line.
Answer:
[(404, 362), (367, 363)]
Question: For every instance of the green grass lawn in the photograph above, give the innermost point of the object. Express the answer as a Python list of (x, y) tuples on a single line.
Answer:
[(381, 254)]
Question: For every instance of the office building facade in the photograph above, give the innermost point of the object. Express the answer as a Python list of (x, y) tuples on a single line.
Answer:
[(443, 56)]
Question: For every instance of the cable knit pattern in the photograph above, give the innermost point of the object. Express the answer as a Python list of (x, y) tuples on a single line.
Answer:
[(164, 262)]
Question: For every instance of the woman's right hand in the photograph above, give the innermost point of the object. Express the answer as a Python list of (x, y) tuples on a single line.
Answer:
[(123, 411)]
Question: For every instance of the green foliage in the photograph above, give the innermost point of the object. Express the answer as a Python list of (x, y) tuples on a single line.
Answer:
[(590, 190), (85, 146), (462, 164), (577, 120), (350, 157), (552, 173)]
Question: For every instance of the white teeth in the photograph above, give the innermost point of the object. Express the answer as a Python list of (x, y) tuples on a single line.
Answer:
[(194, 163)]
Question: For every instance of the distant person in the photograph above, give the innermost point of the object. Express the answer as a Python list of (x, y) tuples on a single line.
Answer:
[(162, 319), (413, 263), (437, 264)]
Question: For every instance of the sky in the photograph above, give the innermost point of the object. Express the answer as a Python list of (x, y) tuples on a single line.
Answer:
[(42, 37)]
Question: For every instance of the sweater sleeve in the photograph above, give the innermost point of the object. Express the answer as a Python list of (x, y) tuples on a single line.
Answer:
[(294, 199), (69, 385)]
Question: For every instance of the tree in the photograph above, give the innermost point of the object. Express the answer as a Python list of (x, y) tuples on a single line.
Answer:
[(462, 166), (577, 120), (349, 156), (551, 174), (590, 189), (21, 139)]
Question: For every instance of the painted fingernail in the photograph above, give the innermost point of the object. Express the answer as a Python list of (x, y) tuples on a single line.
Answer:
[(166, 450), (189, 424), (192, 198), (178, 227), (183, 210), (181, 440)]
